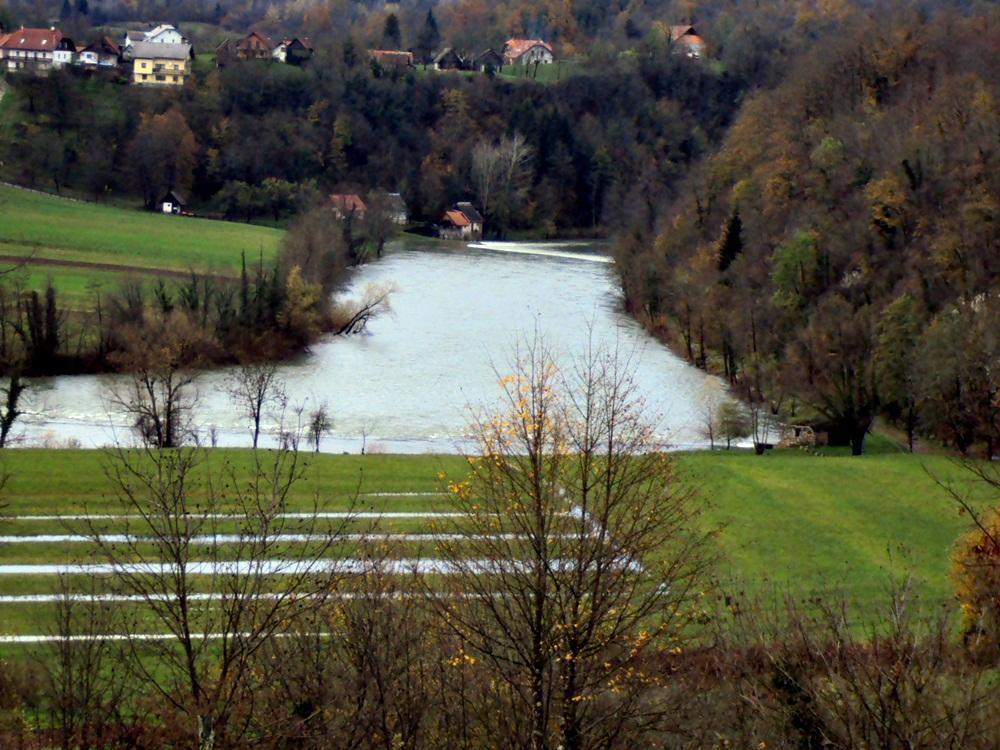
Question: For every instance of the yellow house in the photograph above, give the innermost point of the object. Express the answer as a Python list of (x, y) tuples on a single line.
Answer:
[(160, 64)]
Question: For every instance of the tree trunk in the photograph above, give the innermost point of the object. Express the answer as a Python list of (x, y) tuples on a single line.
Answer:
[(858, 440)]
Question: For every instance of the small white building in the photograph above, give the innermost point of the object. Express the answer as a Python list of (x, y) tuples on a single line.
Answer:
[(162, 34), (527, 52)]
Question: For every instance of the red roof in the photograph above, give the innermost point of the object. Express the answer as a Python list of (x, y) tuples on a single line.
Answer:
[(514, 48), (347, 203), (456, 218), (33, 39)]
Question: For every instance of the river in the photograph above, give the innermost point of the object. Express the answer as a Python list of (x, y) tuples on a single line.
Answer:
[(405, 385)]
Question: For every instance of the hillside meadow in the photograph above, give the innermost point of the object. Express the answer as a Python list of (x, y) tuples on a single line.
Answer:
[(788, 523), (79, 244)]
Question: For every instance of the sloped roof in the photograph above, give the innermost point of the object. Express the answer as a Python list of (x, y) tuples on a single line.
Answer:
[(172, 196), (255, 41), (685, 33), (456, 218), (396, 203), (391, 56), (347, 202), (440, 56), (161, 50), (103, 46), (34, 39), (135, 35), (159, 30), (516, 47), (470, 212)]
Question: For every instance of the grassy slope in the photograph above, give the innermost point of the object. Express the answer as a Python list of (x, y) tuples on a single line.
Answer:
[(45, 226), (791, 522)]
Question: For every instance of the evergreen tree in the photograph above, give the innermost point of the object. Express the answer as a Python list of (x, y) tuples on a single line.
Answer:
[(429, 37), (66, 11), (731, 244), (82, 8), (392, 38)]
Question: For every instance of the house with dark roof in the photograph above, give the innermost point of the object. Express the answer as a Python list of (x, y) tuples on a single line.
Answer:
[(448, 59), (103, 54), (392, 60), (488, 59), (37, 49), (687, 40), (527, 52), (173, 203), (254, 46), (475, 218), (293, 50)]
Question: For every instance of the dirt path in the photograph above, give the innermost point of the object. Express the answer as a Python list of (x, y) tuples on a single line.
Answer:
[(29, 260)]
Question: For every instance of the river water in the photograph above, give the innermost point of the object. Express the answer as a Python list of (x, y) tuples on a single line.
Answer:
[(406, 384)]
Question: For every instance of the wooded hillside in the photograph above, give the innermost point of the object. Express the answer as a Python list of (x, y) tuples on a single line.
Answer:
[(842, 248)]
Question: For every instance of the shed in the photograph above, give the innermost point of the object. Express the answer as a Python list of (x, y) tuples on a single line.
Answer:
[(173, 203)]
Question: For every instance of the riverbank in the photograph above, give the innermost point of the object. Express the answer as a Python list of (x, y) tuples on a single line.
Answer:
[(789, 523)]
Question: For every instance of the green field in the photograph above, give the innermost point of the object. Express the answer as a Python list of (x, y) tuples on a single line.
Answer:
[(790, 522), (80, 244)]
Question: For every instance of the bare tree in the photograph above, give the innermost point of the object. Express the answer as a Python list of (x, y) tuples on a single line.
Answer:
[(11, 408), (832, 678), (319, 425), (500, 173), (578, 556), (254, 388), (158, 394), (710, 399), (86, 684), (379, 221), (355, 315), (201, 550)]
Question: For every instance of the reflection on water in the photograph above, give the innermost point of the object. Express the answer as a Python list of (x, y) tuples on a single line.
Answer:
[(406, 384)]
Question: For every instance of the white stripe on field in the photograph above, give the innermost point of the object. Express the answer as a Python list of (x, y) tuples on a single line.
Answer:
[(233, 516), (349, 566), (237, 538), (134, 637), (208, 597)]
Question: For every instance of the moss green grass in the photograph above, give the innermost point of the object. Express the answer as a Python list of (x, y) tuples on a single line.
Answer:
[(789, 522)]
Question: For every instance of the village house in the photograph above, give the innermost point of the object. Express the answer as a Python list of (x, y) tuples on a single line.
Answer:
[(348, 205), (161, 64), (293, 51), (391, 60), (102, 54), (488, 59), (173, 203), (687, 41), (36, 49), (455, 226), (527, 52), (448, 59), (475, 219), (254, 46)]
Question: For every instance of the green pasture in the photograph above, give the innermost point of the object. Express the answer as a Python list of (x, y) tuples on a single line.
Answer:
[(36, 225), (790, 522)]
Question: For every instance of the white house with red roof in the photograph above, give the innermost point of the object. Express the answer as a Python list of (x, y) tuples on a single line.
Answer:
[(36, 49), (527, 52)]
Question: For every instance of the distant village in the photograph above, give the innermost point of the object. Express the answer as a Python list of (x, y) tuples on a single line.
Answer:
[(162, 56)]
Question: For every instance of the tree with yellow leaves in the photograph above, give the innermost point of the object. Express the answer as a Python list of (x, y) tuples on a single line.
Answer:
[(576, 560)]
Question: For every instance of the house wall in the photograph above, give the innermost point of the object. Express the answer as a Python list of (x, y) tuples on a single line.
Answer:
[(159, 72), (536, 54), (168, 36)]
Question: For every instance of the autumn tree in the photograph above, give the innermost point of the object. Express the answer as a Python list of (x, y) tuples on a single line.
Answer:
[(576, 557), (896, 362), (162, 155), (158, 394)]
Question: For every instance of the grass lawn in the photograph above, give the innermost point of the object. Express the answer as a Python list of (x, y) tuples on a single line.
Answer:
[(791, 522), (74, 233)]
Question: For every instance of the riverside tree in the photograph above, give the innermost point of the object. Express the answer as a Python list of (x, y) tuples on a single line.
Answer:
[(576, 558)]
